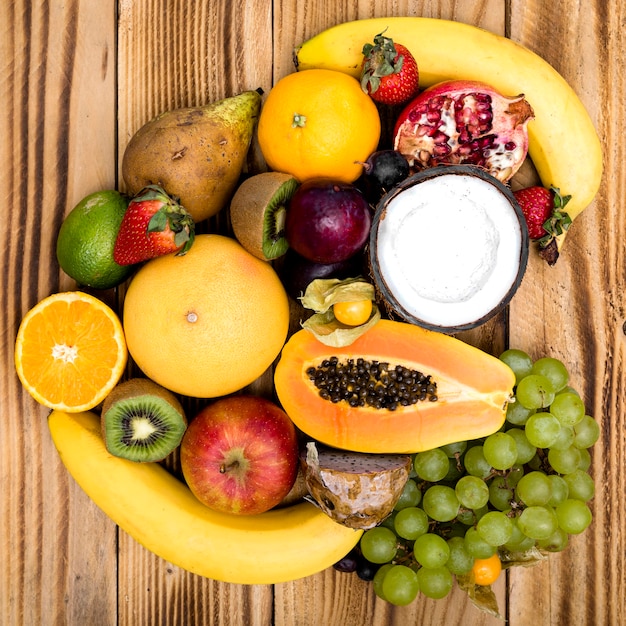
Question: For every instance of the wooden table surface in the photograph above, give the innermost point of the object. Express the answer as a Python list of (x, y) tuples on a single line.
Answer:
[(78, 78)]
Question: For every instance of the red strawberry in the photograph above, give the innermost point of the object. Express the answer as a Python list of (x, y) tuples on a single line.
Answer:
[(389, 73), (543, 210), (154, 224)]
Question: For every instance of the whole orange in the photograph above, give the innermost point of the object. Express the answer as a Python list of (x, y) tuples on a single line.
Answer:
[(318, 124), (208, 323)]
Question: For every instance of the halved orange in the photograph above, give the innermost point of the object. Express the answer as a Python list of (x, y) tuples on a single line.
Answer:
[(70, 351)]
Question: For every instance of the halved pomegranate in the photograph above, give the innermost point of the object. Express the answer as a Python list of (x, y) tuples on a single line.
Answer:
[(465, 122)]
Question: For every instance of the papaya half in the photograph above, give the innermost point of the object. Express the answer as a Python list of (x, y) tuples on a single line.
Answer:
[(398, 388)]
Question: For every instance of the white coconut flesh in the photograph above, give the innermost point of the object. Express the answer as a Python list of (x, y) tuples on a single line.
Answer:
[(449, 249)]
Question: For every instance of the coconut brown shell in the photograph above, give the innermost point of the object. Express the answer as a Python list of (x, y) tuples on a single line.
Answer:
[(354, 489)]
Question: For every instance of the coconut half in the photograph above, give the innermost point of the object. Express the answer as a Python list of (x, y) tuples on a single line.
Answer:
[(448, 248)]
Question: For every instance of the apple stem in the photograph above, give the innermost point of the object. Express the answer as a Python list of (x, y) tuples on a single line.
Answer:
[(228, 467)]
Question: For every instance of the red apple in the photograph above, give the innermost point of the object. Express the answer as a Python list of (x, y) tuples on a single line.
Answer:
[(240, 455)]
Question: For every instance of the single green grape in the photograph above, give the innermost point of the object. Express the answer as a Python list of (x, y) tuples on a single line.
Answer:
[(411, 522), (535, 391), (538, 522), (495, 528), (518, 542), (553, 369), (477, 546), (466, 517), (501, 494), (564, 461), (431, 550), (534, 489), (453, 450), (379, 544), (585, 459), (525, 449), (517, 414), (435, 582), (573, 516), (560, 490), (500, 450), (519, 361), (586, 432), (410, 496), (431, 465), (460, 560), (580, 485), (377, 581), (568, 408), (400, 585), (556, 542), (564, 439), (475, 462), (472, 492), (542, 429), (440, 503)]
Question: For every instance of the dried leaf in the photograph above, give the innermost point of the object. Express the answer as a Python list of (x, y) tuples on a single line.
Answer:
[(335, 334), (482, 596), (322, 293), (526, 559)]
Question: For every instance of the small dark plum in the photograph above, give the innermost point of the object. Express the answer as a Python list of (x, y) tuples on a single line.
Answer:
[(297, 272), (328, 221), (384, 169)]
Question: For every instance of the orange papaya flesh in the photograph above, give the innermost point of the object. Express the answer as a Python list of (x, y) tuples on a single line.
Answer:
[(473, 390)]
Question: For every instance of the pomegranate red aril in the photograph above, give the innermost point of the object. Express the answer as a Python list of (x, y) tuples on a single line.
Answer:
[(465, 122)]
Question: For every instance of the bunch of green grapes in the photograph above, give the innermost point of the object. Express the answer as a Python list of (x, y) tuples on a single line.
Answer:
[(525, 487)]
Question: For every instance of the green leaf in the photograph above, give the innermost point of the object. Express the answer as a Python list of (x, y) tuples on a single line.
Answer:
[(158, 222)]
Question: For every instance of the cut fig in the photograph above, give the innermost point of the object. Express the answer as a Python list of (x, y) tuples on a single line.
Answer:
[(355, 489), (448, 248)]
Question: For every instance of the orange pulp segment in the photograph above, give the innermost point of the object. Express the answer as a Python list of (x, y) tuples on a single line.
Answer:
[(70, 351)]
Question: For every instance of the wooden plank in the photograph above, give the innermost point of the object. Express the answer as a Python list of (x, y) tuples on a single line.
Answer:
[(578, 317), (198, 57), (58, 130)]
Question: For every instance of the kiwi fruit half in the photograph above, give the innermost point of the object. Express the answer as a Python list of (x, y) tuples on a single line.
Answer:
[(257, 213), (142, 421)]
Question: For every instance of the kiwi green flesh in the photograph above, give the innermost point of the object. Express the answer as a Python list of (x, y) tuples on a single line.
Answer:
[(274, 242), (143, 428)]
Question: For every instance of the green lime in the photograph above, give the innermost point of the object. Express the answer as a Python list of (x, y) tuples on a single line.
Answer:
[(87, 238)]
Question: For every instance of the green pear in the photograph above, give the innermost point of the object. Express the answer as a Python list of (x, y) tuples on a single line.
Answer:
[(196, 154)]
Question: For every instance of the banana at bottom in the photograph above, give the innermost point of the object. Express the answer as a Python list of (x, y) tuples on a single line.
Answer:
[(162, 514)]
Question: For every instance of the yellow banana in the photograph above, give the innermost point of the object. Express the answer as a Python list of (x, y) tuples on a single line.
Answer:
[(162, 514), (563, 143)]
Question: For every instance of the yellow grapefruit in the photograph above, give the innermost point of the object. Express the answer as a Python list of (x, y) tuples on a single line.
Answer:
[(208, 323)]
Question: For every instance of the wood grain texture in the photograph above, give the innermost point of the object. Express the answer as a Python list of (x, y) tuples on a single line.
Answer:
[(58, 130), (78, 79), (579, 316)]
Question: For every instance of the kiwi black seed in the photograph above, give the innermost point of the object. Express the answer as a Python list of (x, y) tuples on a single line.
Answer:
[(142, 421), (257, 213)]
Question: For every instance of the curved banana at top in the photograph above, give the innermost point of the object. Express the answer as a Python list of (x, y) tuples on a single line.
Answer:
[(162, 514), (563, 143)]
